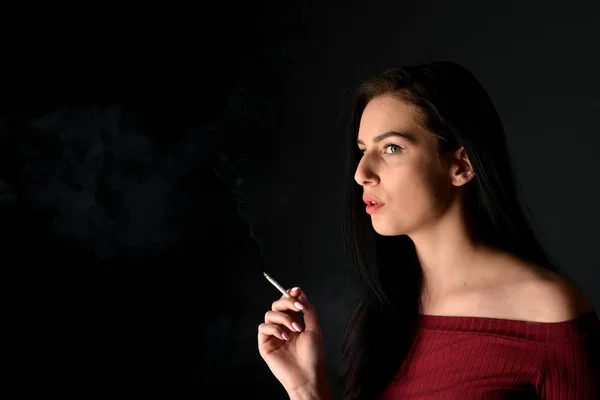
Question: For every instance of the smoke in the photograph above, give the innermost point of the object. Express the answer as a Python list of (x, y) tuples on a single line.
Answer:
[(103, 178), (112, 186)]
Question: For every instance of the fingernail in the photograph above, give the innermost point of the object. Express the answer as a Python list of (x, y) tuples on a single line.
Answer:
[(296, 326), (285, 336), (295, 288), (298, 305), (303, 296)]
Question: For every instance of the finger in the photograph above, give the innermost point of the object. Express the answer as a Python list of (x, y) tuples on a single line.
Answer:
[(286, 304), (293, 292), (281, 318), (297, 292), (265, 331)]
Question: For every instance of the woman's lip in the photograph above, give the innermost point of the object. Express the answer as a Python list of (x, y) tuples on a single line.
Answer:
[(373, 209), (370, 199)]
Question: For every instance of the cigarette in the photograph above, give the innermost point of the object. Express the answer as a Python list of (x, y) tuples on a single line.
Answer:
[(277, 285)]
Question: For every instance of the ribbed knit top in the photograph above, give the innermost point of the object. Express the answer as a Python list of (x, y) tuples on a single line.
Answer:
[(460, 357)]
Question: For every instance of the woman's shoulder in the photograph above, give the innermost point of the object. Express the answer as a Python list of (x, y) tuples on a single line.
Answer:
[(547, 296)]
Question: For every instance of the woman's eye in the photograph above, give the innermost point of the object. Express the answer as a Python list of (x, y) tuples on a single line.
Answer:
[(398, 148), (395, 148)]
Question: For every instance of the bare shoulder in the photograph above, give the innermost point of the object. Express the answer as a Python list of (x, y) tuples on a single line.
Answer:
[(551, 297)]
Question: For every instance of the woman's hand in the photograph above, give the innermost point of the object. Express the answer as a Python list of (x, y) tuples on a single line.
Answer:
[(296, 358)]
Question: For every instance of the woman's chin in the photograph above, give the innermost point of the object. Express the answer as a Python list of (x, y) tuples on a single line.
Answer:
[(383, 230)]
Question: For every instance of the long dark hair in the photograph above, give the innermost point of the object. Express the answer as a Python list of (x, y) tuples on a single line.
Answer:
[(383, 325)]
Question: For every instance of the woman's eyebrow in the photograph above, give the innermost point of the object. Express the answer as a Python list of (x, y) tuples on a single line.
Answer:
[(385, 135)]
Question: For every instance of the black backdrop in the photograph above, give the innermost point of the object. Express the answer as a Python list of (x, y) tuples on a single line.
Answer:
[(150, 173)]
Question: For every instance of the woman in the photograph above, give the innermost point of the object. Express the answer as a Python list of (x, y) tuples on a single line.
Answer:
[(459, 298)]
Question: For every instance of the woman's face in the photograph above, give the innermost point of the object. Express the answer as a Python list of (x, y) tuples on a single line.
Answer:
[(403, 173)]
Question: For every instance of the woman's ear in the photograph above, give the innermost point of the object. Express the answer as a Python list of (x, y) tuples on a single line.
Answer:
[(461, 170)]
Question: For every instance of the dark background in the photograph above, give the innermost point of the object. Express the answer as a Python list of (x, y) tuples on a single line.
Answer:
[(155, 162)]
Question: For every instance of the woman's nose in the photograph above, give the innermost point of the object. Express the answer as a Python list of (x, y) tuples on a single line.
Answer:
[(365, 175)]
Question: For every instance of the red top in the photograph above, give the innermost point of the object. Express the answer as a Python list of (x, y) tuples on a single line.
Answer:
[(468, 358)]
